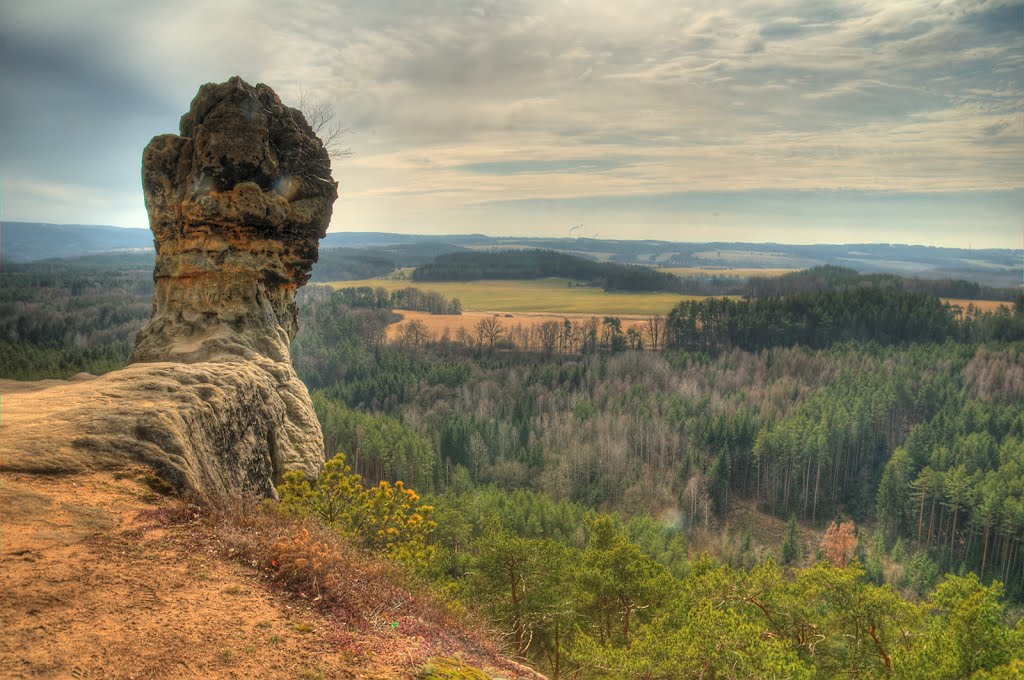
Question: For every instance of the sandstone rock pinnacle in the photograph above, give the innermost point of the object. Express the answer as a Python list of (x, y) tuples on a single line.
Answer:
[(237, 203)]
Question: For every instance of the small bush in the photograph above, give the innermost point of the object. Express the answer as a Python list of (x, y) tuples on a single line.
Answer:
[(920, 573), (306, 564)]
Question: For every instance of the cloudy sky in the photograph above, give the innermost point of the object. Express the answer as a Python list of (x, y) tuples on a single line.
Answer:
[(801, 121)]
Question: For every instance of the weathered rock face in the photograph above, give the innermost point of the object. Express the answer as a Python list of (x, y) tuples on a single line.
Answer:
[(215, 427), (237, 203)]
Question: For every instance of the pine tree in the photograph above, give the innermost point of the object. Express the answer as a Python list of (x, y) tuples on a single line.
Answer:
[(791, 542)]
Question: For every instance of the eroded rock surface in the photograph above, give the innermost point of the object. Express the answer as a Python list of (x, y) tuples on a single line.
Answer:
[(237, 203), (216, 427)]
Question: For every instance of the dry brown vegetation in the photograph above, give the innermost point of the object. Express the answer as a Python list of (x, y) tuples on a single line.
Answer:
[(378, 612), (101, 577), (436, 324), (723, 536), (987, 306), (996, 375)]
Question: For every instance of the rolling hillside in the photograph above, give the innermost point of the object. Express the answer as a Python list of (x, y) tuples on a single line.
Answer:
[(23, 241)]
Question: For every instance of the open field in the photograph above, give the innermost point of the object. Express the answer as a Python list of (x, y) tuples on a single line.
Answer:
[(983, 305), (541, 298), (726, 271), (753, 259), (551, 295), (437, 323), (599, 256)]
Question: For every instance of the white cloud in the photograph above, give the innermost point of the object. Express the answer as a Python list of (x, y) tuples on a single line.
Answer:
[(873, 95)]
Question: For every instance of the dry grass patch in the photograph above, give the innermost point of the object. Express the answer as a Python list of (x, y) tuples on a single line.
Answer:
[(981, 305), (381, 613)]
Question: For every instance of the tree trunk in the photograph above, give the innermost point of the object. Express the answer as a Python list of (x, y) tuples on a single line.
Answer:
[(931, 522), (920, 519), (558, 653), (807, 483), (984, 554), (952, 534), (517, 617), (817, 482)]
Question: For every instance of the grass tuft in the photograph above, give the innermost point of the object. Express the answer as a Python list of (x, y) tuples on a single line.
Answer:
[(443, 668)]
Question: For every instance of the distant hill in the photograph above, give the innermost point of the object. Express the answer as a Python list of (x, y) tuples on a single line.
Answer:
[(29, 241), (1000, 268), (374, 239), (345, 264), (342, 255), (830, 278), (539, 264)]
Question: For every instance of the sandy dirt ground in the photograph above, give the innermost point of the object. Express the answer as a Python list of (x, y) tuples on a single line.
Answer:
[(101, 577), (92, 585)]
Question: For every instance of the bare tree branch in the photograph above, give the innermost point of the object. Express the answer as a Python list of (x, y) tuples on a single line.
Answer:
[(321, 117)]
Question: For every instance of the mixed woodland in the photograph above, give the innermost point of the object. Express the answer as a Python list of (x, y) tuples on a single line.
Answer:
[(821, 478)]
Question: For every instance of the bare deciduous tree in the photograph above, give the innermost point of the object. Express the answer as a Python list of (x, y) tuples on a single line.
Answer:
[(655, 329), (322, 118), (839, 543), (414, 333), (489, 328), (547, 333)]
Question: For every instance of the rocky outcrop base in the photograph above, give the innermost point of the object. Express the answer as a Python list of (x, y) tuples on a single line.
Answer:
[(228, 427)]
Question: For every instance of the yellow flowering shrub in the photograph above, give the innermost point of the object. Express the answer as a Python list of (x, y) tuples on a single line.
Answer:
[(387, 518)]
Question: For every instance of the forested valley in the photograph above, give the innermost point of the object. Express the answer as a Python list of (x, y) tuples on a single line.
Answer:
[(61, 317), (812, 481), (885, 428)]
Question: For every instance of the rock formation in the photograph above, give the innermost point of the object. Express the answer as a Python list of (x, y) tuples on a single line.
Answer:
[(237, 203)]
